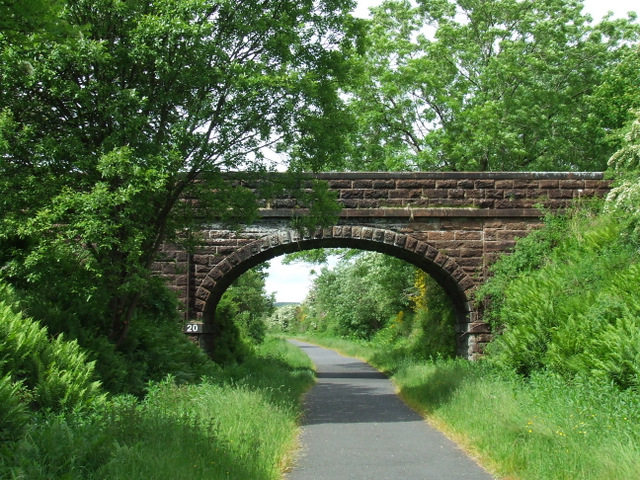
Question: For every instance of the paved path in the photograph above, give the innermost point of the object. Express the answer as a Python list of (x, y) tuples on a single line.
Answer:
[(357, 428)]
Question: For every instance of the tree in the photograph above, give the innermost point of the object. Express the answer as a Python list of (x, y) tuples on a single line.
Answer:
[(284, 318), (247, 303), (617, 98), (360, 295), (106, 134), (20, 19), (478, 85), (624, 198)]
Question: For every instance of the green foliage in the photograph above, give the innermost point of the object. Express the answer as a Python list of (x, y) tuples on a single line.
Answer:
[(316, 256), (238, 423), (566, 299), (253, 328), (240, 318), (66, 377), (249, 294), (13, 410), (617, 98), (624, 198), (434, 335), (613, 354), (156, 347), (284, 319), (56, 372), (383, 301), (320, 256), (357, 298), (20, 20), (323, 208), (228, 345), (505, 85), (627, 158), (425, 331), (530, 253), (38, 372)]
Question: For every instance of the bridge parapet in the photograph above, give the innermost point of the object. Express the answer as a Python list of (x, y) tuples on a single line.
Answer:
[(416, 191)]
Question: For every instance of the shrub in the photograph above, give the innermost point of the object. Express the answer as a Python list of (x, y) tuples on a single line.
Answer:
[(155, 347), (434, 323), (624, 198), (252, 327)]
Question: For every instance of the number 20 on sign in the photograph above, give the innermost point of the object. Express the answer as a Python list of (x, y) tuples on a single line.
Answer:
[(193, 328)]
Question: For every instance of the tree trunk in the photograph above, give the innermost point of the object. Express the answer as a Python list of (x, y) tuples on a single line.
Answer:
[(122, 309)]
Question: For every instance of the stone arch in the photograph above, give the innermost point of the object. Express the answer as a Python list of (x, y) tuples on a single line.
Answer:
[(454, 280)]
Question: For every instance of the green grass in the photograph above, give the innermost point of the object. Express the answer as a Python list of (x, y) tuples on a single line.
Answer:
[(539, 428), (242, 424)]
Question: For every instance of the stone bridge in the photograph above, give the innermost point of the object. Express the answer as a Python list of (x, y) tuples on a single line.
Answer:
[(451, 225)]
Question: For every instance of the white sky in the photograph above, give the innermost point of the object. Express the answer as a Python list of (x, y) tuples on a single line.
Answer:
[(291, 283)]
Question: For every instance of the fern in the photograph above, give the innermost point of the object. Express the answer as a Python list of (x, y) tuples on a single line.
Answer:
[(21, 344), (615, 354), (55, 374), (13, 412), (67, 381)]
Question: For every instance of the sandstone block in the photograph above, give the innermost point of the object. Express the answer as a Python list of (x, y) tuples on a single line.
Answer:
[(484, 183)]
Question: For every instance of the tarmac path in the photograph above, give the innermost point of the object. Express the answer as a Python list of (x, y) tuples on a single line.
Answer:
[(356, 428)]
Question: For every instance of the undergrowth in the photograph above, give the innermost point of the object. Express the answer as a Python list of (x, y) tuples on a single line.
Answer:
[(239, 423), (578, 312)]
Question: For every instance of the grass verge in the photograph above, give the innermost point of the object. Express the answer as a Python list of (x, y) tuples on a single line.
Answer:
[(241, 423)]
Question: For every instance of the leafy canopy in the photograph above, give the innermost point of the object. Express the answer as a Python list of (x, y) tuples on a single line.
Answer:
[(104, 132), (501, 85)]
